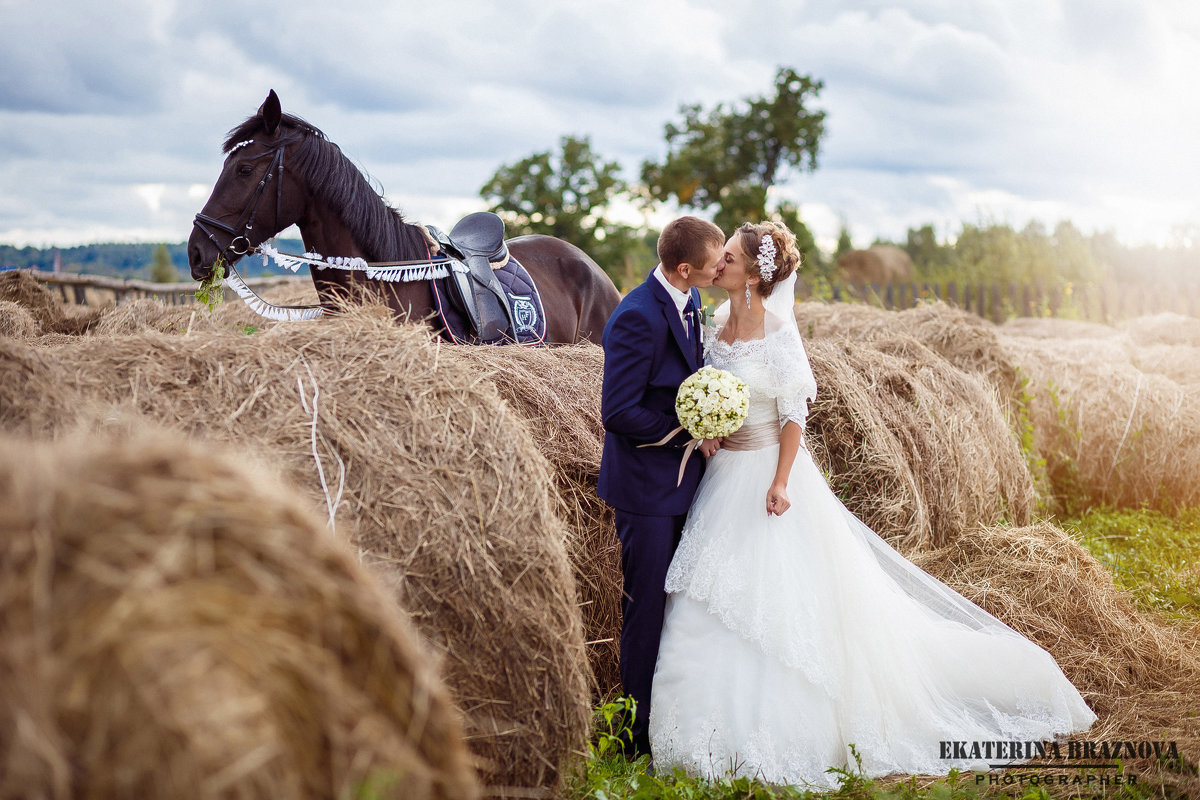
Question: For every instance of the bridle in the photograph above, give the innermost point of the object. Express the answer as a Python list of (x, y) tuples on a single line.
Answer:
[(240, 245)]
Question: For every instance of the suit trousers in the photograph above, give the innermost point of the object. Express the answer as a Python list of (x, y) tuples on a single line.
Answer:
[(647, 545)]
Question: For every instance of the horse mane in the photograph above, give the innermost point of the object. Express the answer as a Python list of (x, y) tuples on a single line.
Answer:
[(380, 230)]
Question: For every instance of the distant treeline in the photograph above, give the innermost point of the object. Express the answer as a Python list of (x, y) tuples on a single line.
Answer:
[(994, 253), (124, 260), (977, 254)]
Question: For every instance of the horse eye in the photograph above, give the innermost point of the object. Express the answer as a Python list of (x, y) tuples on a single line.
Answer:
[(245, 169)]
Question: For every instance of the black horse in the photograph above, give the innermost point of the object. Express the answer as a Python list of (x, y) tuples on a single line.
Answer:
[(317, 188)]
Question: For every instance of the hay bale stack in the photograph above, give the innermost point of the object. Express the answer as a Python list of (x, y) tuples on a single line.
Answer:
[(1164, 328), (1140, 674), (967, 341), (1179, 362), (146, 314), (917, 448), (833, 320), (33, 402), (1110, 433), (176, 625), (16, 322), (432, 477), (18, 286), (1057, 328), (556, 391)]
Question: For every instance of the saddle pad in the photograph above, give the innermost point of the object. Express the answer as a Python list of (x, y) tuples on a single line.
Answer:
[(523, 299)]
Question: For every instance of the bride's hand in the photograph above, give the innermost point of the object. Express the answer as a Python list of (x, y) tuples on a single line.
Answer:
[(777, 499), (710, 446)]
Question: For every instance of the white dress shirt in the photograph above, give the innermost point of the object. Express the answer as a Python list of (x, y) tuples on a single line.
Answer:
[(680, 298)]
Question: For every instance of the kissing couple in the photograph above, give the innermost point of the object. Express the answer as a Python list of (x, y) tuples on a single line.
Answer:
[(766, 630)]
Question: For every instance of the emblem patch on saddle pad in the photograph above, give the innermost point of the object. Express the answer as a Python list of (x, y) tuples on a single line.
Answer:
[(525, 313), (523, 298)]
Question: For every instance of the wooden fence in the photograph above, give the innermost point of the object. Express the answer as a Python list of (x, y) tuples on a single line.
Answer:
[(1105, 303), (97, 290)]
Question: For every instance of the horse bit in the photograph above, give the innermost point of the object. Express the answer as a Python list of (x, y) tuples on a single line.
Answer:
[(246, 219)]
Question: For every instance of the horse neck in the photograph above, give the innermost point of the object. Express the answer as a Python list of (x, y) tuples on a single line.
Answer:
[(325, 233)]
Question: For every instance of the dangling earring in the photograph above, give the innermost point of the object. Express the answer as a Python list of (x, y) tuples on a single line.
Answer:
[(747, 295)]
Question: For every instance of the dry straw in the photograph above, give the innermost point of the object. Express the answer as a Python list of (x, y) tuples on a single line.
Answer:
[(1109, 432), (917, 448), (18, 286), (967, 341), (556, 392), (16, 322), (426, 471), (1139, 673), (176, 625)]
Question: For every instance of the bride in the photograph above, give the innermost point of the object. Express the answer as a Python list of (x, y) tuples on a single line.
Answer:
[(792, 631)]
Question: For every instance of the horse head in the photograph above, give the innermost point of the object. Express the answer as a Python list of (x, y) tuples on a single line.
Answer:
[(255, 197)]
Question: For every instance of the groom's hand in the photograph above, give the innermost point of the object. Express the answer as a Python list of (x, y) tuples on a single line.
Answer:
[(710, 446)]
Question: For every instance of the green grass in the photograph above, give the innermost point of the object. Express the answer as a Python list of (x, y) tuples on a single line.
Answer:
[(607, 775), (1153, 555)]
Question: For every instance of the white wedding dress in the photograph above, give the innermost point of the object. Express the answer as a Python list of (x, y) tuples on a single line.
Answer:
[(788, 638)]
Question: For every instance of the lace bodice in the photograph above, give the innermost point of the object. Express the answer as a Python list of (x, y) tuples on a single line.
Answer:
[(775, 369)]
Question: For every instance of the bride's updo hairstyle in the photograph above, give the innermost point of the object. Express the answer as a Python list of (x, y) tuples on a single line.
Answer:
[(787, 256)]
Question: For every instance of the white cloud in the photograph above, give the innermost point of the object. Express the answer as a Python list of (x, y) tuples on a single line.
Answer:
[(938, 111)]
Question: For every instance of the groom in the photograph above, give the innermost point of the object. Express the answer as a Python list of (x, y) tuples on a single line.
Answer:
[(651, 344)]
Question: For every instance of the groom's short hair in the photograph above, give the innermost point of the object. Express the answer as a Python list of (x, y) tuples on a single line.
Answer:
[(687, 240)]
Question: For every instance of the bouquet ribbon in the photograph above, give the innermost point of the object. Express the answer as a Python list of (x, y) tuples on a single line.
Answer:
[(687, 451)]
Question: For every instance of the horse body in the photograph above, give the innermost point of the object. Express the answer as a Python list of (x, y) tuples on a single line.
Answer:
[(282, 169)]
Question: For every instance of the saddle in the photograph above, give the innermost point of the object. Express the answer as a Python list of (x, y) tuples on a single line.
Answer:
[(478, 241)]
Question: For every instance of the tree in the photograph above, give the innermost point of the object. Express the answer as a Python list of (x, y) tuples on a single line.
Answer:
[(730, 158), (162, 269), (566, 194), (813, 261), (844, 245)]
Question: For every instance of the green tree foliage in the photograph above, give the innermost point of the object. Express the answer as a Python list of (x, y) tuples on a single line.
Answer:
[(162, 270), (994, 253), (814, 263), (728, 158), (844, 245), (567, 194)]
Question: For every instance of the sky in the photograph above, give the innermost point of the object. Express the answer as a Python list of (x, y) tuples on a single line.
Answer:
[(938, 111)]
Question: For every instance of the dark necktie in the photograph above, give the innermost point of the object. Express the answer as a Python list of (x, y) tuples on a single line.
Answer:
[(693, 324)]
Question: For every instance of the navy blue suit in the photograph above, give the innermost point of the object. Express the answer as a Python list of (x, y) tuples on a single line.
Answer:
[(647, 354)]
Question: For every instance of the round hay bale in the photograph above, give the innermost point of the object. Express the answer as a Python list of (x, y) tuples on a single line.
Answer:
[(18, 286), (967, 341), (917, 448), (1056, 328), (1179, 362), (176, 625), (32, 400), (16, 322), (832, 320), (1108, 432), (1164, 328), (556, 391), (145, 314), (881, 263), (1139, 673), (429, 474)]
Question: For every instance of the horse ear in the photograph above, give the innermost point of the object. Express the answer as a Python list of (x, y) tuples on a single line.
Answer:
[(271, 112)]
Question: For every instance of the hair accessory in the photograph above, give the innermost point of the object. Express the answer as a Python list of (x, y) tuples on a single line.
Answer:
[(766, 257)]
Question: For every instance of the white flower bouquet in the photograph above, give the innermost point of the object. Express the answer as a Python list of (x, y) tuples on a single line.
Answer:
[(711, 403)]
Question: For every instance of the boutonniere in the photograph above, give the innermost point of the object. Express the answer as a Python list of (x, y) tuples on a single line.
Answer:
[(706, 316)]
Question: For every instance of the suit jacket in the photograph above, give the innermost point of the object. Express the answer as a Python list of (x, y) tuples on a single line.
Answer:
[(647, 354)]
